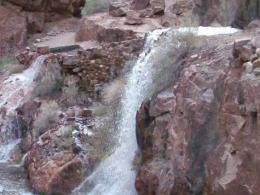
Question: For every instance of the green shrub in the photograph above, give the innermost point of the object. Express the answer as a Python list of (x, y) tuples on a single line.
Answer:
[(48, 115), (9, 63), (95, 6)]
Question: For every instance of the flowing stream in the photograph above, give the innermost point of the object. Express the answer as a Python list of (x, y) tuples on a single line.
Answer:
[(13, 92), (115, 175)]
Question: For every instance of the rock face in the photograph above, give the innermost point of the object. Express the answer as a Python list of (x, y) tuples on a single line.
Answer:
[(201, 136), (13, 30), (234, 12), (58, 6)]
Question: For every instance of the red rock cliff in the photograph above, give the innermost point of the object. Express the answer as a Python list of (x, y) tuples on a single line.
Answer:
[(201, 136)]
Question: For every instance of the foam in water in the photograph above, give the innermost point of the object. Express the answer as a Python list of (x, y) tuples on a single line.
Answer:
[(12, 87), (208, 31), (6, 149)]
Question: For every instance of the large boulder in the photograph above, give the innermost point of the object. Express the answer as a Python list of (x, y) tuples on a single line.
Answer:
[(118, 9), (91, 30), (55, 171), (102, 27)]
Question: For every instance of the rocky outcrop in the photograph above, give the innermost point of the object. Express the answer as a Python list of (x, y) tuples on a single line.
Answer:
[(16, 26), (102, 27), (200, 136), (238, 13), (91, 29), (58, 161), (57, 6), (13, 30), (55, 170), (97, 66)]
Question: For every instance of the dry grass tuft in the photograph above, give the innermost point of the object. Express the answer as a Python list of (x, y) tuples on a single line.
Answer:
[(49, 81), (112, 92), (48, 115)]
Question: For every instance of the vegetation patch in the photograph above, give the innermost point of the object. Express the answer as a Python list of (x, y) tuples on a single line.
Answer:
[(112, 92), (70, 92), (48, 116), (9, 64), (64, 142), (49, 81), (101, 143)]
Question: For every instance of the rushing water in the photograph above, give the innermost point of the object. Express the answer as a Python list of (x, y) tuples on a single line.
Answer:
[(13, 92), (115, 175)]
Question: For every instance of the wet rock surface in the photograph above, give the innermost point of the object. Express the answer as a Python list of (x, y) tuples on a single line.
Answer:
[(200, 136)]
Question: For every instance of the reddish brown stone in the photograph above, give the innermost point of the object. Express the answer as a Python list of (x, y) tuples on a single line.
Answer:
[(140, 4), (13, 30), (204, 140)]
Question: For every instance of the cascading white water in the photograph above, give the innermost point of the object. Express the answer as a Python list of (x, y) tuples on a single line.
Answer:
[(13, 92), (115, 175)]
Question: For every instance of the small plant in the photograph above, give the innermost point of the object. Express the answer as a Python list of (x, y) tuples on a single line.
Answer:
[(48, 115), (9, 63), (70, 93), (49, 82), (99, 110), (64, 142), (100, 144), (95, 6), (112, 92)]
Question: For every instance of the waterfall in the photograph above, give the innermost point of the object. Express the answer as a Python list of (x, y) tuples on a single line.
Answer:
[(14, 90), (115, 175)]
